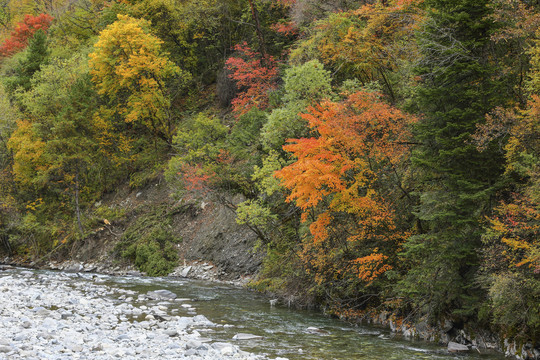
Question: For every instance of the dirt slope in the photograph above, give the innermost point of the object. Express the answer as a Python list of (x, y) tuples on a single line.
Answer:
[(206, 226)]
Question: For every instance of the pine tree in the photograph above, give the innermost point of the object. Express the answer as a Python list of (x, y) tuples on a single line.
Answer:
[(456, 180), (36, 56)]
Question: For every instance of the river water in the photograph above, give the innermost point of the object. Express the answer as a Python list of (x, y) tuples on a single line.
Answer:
[(285, 331)]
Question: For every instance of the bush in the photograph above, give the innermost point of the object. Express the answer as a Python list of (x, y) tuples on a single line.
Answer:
[(514, 303), (149, 243)]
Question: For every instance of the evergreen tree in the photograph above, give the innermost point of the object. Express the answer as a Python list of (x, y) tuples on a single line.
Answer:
[(457, 90), (37, 55)]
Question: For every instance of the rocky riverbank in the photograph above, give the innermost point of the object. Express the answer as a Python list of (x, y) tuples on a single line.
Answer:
[(198, 269), (457, 339), (46, 315)]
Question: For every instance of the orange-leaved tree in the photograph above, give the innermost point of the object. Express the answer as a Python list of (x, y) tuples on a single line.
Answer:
[(340, 180)]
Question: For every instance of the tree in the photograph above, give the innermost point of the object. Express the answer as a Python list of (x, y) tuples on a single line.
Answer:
[(255, 75), (8, 117), (304, 12), (516, 24), (304, 85), (36, 55), (55, 150), (5, 16), (337, 181), (510, 243), (456, 180), (129, 67), (82, 19), (198, 34), (200, 150), (23, 32), (372, 44)]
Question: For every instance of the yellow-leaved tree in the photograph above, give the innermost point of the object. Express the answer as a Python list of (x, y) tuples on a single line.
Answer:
[(130, 68)]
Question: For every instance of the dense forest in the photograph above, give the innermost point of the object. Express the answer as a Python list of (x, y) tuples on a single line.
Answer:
[(387, 151)]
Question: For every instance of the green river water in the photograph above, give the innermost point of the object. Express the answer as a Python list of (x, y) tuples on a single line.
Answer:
[(285, 331)]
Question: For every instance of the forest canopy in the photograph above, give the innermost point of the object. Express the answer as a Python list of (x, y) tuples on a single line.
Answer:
[(387, 151)]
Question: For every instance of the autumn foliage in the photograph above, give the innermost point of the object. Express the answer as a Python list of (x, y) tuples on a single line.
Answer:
[(255, 76), (517, 227), (23, 32), (512, 239), (336, 182), (285, 28), (367, 43), (386, 154), (130, 67)]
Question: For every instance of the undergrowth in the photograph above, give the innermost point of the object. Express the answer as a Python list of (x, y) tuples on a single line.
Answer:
[(149, 243)]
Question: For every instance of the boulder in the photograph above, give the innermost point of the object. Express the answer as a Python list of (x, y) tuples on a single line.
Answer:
[(74, 268), (171, 332), (455, 347), (193, 344), (227, 351), (447, 326), (242, 336), (185, 271), (161, 295)]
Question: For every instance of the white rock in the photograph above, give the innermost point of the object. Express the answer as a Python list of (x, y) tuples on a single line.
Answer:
[(74, 316), (171, 332), (161, 295), (227, 351), (193, 344), (185, 271), (455, 347), (242, 336)]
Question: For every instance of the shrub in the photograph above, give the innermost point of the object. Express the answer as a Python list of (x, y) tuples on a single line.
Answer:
[(150, 244)]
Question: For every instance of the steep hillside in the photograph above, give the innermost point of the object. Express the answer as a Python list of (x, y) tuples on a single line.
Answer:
[(204, 230)]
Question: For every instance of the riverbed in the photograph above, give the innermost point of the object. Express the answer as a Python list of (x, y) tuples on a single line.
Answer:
[(55, 315)]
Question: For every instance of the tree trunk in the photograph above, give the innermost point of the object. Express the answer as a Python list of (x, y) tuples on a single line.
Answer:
[(255, 13), (6, 244), (77, 206)]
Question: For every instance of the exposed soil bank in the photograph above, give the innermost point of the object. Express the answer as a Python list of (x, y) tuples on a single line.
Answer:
[(205, 232)]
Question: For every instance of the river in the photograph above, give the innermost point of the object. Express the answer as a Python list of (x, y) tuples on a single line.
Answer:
[(285, 332)]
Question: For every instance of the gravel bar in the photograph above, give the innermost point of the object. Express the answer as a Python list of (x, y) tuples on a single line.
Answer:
[(51, 315)]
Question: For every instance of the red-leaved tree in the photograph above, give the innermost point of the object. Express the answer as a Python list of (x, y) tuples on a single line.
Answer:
[(255, 76), (23, 32)]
